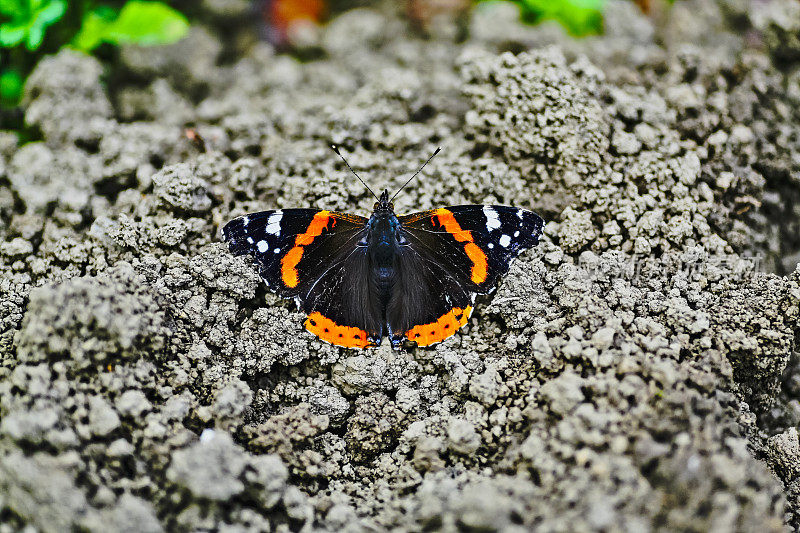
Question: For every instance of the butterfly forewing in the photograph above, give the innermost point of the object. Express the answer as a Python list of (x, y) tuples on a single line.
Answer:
[(487, 237), (312, 256)]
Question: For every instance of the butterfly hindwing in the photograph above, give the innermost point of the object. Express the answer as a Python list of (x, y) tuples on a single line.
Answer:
[(314, 257), (336, 292), (453, 253), (430, 301)]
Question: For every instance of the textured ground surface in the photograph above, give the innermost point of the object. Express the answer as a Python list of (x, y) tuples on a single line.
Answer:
[(634, 372)]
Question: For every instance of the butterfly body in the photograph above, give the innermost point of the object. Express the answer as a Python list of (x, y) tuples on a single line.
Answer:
[(411, 277)]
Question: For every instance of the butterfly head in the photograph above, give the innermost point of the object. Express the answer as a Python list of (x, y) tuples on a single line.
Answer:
[(383, 205)]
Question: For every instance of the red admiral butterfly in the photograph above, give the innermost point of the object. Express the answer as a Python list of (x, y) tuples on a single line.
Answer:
[(409, 277)]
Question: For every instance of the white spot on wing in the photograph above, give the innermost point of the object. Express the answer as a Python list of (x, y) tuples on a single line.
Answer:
[(274, 223), (505, 240), (250, 240), (262, 246), (491, 245), (520, 212), (277, 250), (516, 234), (245, 220), (492, 219)]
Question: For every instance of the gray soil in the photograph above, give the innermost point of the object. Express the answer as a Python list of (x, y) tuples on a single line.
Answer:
[(634, 372)]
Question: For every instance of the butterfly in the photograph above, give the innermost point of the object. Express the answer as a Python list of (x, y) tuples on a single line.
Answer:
[(409, 277)]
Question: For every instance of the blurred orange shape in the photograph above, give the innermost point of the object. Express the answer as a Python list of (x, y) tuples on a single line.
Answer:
[(282, 15)]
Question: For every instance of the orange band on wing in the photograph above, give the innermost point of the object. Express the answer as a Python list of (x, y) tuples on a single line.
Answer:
[(452, 226), (319, 223), (480, 264), (445, 326), (293, 256), (289, 264), (329, 331)]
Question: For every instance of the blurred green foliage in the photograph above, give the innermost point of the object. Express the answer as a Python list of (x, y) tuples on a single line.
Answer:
[(28, 20), (30, 29), (578, 17), (143, 23), (11, 83)]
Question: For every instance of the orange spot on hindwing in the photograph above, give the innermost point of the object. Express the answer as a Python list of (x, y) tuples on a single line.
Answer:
[(445, 326), (329, 331), (480, 263), (292, 258)]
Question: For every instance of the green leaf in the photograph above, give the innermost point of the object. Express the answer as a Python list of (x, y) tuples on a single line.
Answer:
[(11, 35), (47, 14), (578, 17), (35, 37), (140, 22), (13, 8), (51, 12), (29, 21), (11, 85), (93, 30), (147, 23)]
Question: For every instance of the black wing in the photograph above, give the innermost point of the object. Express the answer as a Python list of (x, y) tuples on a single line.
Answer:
[(313, 256), (450, 255)]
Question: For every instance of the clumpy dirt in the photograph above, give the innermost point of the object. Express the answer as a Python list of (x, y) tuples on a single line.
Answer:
[(634, 372)]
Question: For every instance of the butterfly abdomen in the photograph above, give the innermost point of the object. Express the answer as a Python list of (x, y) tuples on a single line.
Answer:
[(382, 249)]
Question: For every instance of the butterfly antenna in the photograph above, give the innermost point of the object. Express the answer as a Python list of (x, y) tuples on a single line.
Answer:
[(336, 149), (417, 172)]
